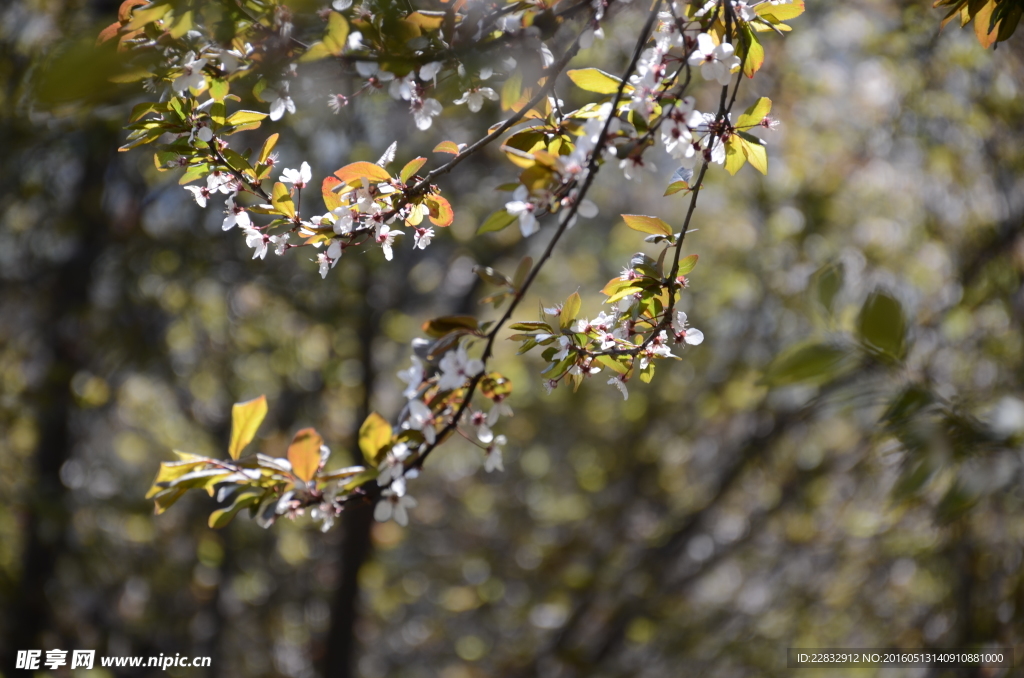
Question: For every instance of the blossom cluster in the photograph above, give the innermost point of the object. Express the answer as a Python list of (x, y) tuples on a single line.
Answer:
[(556, 151)]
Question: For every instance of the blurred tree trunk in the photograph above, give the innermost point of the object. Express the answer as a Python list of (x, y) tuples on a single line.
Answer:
[(64, 292), (356, 521)]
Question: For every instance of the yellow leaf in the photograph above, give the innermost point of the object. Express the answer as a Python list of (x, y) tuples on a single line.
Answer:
[(595, 80), (734, 157), (652, 225), (331, 198), (411, 168), (374, 435), (357, 171), (447, 147), (756, 155), (570, 309), (245, 420), (512, 91), (753, 116), (268, 146), (316, 52), (304, 453), (282, 200), (337, 34), (441, 213)]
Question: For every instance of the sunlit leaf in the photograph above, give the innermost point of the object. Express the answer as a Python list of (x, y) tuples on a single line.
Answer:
[(652, 225), (374, 436), (570, 309), (498, 221), (441, 213), (595, 80), (687, 264), (282, 200), (447, 147), (357, 171), (304, 453), (411, 168), (245, 420)]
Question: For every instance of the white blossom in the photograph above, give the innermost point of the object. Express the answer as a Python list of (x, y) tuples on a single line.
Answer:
[(475, 97), (200, 193), (619, 382), (394, 506), (279, 104), (413, 377), (424, 110), (280, 243), (392, 466), (430, 71), (522, 208), (716, 61), (690, 335), (385, 237), (236, 216), (422, 238), (191, 76), (478, 423), (257, 241), (300, 178), (421, 419), (493, 462), (456, 367)]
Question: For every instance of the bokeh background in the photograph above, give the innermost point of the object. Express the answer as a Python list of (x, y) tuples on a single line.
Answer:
[(699, 528)]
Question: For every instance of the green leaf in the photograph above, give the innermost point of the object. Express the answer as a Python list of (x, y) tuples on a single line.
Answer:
[(498, 221), (753, 116), (219, 89), (828, 281), (612, 364), (490, 276), (140, 111), (439, 327), (221, 517), (316, 52), (806, 362), (337, 34), (167, 498), (239, 118), (521, 272), (756, 155), (531, 326), (374, 436), (268, 148), (304, 453), (675, 187), (734, 157), (595, 80), (411, 168), (882, 326), (282, 200), (245, 420), (512, 90), (754, 57), (652, 225), (687, 264), (570, 309)]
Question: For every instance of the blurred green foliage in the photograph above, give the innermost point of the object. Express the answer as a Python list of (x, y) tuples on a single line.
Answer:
[(839, 464)]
